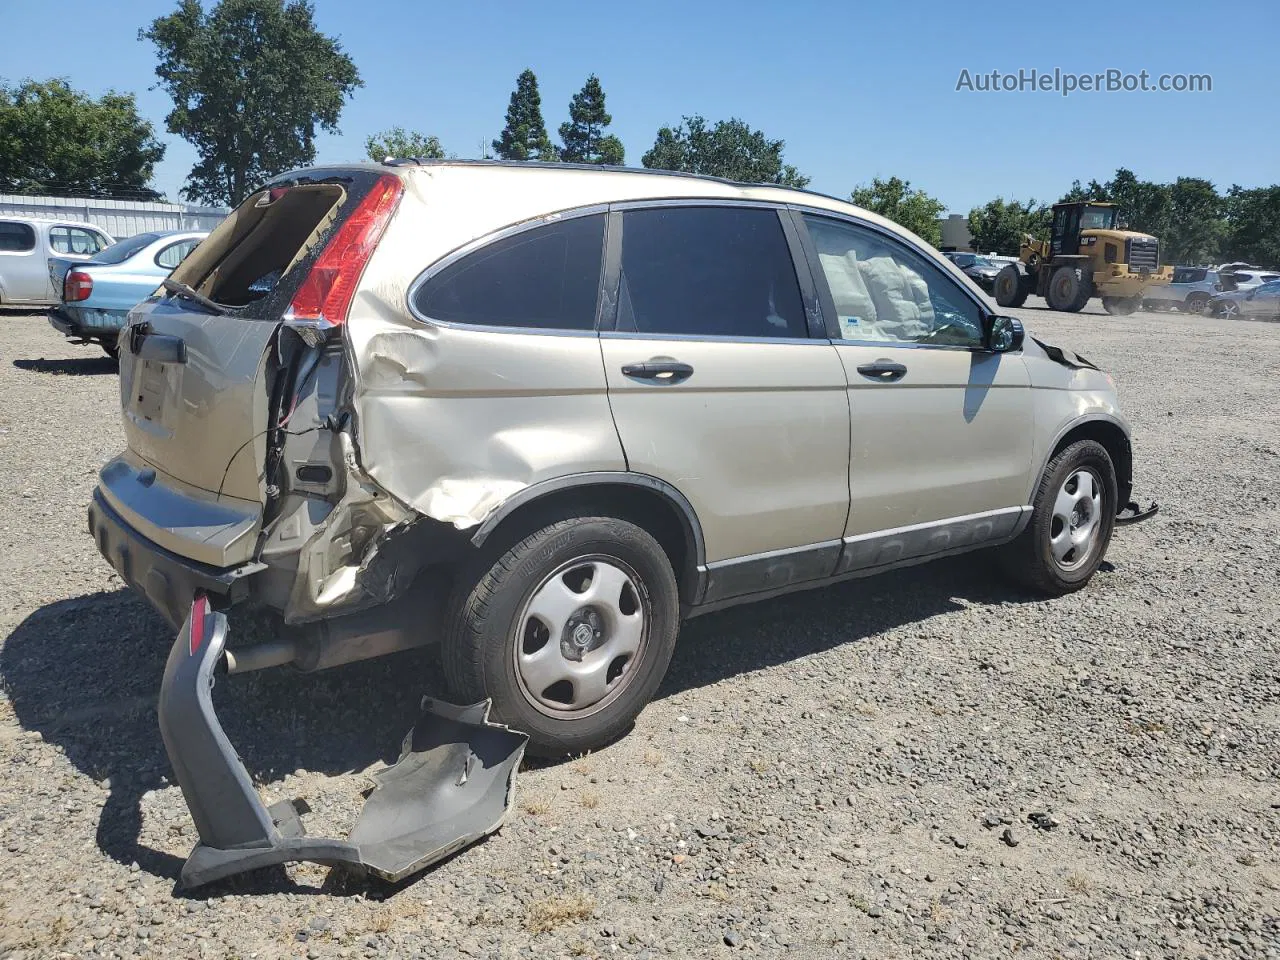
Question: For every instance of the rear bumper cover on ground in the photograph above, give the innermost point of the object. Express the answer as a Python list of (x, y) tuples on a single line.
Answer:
[(453, 784)]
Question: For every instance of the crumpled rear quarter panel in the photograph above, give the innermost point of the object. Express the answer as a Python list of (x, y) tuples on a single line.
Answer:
[(453, 421)]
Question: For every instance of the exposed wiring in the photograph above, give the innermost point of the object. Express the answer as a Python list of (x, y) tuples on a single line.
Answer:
[(291, 433)]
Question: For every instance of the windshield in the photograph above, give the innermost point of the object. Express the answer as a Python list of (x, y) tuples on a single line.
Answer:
[(1098, 218), (982, 262), (124, 249)]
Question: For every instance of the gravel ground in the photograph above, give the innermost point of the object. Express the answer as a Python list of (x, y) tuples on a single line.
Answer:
[(923, 764)]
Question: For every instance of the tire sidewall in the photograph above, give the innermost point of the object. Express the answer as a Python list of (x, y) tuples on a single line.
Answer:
[(527, 569), (1084, 454)]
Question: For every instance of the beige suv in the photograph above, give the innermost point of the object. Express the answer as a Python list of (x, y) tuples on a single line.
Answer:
[(541, 414)]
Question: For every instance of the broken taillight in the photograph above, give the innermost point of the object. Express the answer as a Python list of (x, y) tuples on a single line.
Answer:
[(77, 286), (196, 622), (331, 283)]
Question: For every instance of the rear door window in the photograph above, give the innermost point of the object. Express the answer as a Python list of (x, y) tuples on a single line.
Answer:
[(16, 237), (708, 271), (175, 253), (74, 240), (543, 278)]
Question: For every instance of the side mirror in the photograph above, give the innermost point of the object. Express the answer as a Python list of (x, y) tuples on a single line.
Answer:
[(1002, 334)]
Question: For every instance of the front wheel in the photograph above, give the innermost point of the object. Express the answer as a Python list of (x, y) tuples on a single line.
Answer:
[(1068, 290), (568, 632), (1073, 515)]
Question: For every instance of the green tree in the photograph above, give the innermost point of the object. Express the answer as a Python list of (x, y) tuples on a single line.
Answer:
[(54, 139), (583, 134), (250, 81), (1000, 225), (525, 135), (401, 143), (913, 209), (730, 149), (1253, 225), (1197, 224)]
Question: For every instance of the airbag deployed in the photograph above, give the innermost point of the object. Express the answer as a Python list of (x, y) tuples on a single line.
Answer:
[(452, 785)]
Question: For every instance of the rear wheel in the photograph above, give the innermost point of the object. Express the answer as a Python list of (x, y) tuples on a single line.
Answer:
[(1010, 287), (111, 350), (1120, 306), (1068, 291), (1073, 515), (568, 632), (1228, 310), (1196, 303)]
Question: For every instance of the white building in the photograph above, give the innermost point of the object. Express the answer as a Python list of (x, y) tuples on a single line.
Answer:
[(120, 218)]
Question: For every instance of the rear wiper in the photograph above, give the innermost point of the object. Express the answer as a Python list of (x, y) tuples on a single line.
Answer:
[(187, 293)]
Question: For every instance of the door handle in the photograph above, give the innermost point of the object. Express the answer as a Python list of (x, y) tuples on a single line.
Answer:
[(665, 371), (884, 370)]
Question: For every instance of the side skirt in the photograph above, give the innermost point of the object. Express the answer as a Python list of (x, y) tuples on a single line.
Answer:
[(757, 578)]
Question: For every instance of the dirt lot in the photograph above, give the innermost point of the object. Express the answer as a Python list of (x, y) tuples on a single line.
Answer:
[(827, 774)]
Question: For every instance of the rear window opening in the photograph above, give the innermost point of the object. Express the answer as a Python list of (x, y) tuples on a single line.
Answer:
[(244, 259)]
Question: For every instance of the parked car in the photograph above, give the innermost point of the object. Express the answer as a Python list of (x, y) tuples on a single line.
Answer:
[(98, 294), (1190, 290), (1245, 280), (26, 244), (1261, 302), (454, 393), (979, 269)]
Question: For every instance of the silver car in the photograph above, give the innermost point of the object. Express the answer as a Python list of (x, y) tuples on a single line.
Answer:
[(26, 244), (542, 414), (1259, 302)]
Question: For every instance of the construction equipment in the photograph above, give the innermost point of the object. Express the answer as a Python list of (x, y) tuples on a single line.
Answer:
[(1088, 254)]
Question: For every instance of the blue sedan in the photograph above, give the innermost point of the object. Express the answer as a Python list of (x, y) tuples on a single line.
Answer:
[(98, 294)]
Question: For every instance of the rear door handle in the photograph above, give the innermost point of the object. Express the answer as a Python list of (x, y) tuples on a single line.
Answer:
[(883, 370), (665, 371)]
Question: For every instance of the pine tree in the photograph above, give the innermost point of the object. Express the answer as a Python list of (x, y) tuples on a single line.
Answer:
[(525, 135), (583, 135)]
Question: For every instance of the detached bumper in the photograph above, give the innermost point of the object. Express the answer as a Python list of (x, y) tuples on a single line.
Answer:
[(1134, 513), (167, 580), (453, 784)]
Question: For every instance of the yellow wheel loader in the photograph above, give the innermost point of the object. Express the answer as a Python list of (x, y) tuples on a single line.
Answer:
[(1087, 255)]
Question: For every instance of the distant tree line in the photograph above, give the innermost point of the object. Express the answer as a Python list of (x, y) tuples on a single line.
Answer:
[(1193, 220)]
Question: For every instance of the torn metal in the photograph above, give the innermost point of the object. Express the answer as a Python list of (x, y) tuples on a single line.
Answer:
[(453, 784)]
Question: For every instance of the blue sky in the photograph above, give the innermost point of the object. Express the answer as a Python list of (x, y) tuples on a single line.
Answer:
[(856, 90)]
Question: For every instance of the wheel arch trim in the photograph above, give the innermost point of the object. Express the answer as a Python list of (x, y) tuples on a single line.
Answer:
[(683, 509), (1124, 478)]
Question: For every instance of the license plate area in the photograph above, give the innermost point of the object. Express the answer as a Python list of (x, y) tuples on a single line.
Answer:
[(158, 387)]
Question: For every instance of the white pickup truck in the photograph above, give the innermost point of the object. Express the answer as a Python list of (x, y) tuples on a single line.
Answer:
[(26, 244)]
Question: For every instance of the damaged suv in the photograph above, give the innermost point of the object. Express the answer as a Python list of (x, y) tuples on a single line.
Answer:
[(541, 414)]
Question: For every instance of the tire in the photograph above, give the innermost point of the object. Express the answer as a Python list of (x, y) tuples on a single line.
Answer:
[(1196, 303), (1010, 288), (495, 632), (1035, 559), (1120, 306), (111, 350), (1228, 310), (1067, 290)]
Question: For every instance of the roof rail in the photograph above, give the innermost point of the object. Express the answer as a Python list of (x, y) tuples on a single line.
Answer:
[(598, 168)]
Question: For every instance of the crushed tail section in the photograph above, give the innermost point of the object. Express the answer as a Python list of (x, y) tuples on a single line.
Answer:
[(453, 784)]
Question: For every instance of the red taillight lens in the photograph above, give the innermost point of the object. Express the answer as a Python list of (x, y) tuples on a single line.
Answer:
[(196, 623), (77, 286), (327, 291)]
